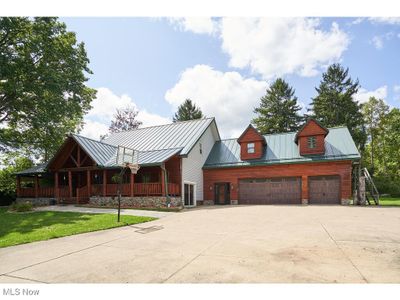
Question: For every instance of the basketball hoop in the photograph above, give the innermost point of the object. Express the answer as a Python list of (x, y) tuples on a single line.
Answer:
[(133, 167)]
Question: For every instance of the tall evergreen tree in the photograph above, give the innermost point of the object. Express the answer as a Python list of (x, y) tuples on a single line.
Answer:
[(187, 111), (374, 112), (335, 105), (278, 110)]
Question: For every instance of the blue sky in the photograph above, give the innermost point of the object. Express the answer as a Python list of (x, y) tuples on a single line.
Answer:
[(225, 64)]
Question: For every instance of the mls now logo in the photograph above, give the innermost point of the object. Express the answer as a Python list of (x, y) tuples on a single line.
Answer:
[(18, 292)]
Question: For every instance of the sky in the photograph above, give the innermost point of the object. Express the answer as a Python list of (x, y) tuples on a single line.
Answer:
[(226, 64)]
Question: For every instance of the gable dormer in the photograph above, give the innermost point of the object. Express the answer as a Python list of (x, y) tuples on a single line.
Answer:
[(251, 144), (311, 138)]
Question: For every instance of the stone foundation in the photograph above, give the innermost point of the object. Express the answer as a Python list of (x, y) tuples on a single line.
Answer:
[(37, 201), (304, 201), (346, 201), (155, 202), (234, 202), (208, 202)]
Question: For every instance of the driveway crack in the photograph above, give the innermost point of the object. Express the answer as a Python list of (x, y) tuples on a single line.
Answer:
[(344, 253)]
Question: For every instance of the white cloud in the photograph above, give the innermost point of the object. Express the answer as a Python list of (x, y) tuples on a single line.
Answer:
[(104, 107), (363, 95), (198, 25), (277, 46), (386, 20), (377, 42), (227, 96), (396, 88)]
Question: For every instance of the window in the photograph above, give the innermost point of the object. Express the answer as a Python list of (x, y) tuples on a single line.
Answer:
[(201, 148), (250, 148), (312, 142)]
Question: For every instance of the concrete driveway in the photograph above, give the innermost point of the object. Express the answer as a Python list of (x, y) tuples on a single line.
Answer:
[(223, 244)]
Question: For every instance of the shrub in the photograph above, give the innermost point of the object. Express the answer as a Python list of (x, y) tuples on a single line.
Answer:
[(21, 207), (387, 185)]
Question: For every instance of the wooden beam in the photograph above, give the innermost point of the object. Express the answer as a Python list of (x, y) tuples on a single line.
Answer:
[(70, 183), (83, 160), (36, 186), (104, 183), (79, 157), (56, 190), (132, 182), (18, 185), (162, 182), (88, 182)]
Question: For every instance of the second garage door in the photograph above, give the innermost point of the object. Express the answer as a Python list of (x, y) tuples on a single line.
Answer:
[(324, 189), (285, 190)]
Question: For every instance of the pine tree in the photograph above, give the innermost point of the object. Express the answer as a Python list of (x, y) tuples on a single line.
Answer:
[(187, 111), (335, 105), (278, 110)]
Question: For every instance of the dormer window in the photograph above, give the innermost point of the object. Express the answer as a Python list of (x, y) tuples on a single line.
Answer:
[(312, 142), (251, 148)]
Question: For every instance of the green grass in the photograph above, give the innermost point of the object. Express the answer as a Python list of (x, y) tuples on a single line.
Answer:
[(162, 209), (20, 228), (389, 201)]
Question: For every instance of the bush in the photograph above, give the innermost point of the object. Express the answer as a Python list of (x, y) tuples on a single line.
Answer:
[(21, 207), (386, 185)]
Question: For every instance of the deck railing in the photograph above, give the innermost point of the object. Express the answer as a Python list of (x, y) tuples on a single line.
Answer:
[(139, 189)]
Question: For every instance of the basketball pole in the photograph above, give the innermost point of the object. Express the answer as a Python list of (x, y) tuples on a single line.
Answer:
[(121, 175)]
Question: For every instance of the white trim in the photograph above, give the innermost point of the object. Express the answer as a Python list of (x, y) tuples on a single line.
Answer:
[(194, 193)]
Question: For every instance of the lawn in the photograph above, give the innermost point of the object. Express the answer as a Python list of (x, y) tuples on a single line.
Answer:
[(20, 228), (389, 201)]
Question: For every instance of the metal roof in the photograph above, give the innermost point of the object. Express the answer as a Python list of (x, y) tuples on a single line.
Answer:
[(182, 135), (281, 148), (38, 169), (98, 151)]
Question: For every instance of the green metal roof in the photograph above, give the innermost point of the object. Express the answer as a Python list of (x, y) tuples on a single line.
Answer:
[(182, 135), (282, 149), (38, 169)]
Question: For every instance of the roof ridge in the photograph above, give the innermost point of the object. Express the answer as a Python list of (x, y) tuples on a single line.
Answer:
[(172, 123), (81, 136), (153, 150)]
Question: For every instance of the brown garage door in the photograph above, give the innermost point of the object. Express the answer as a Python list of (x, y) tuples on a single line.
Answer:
[(270, 191), (324, 189)]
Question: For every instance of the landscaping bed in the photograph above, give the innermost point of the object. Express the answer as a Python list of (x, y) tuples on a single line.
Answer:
[(25, 227)]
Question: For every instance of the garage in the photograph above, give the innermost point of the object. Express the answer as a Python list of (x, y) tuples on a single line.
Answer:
[(283, 190), (324, 190)]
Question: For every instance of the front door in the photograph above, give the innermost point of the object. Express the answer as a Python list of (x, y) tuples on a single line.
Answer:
[(222, 193), (189, 194)]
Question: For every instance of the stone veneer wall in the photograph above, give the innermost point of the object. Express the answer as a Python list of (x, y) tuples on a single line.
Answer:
[(36, 201), (157, 202)]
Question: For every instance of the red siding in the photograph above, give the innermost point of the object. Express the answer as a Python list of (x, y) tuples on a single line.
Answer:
[(312, 129), (251, 135), (173, 166), (232, 175)]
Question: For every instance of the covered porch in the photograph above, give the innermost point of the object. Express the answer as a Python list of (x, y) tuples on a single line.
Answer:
[(73, 177)]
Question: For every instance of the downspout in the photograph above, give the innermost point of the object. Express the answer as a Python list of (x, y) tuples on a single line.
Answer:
[(166, 184)]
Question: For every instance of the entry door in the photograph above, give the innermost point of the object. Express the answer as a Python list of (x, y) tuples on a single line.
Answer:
[(222, 193), (189, 194)]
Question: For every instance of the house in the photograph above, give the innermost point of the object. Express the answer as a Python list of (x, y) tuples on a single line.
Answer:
[(187, 164)]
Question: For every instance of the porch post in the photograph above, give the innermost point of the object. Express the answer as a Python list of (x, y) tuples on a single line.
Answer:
[(88, 182), (18, 185), (162, 182), (70, 183), (36, 186), (132, 181), (56, 192), (104, 183), (304, 189)]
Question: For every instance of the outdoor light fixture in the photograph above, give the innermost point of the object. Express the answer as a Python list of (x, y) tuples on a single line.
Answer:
[(210, 187)]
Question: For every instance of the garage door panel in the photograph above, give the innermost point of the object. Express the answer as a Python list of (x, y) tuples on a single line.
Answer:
[(270, 191), (324, 190)]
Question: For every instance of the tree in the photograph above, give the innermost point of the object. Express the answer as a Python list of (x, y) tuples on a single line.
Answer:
[(374, 111), (43, 94), (278, 110), (335, 105), (124, 119), (14, 163), (187, 111)]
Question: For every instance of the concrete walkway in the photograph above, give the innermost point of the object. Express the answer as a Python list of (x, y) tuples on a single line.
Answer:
[(132, 212), (245, 244)]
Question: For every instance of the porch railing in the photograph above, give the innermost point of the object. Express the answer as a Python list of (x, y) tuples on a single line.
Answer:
[(139, 189)]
